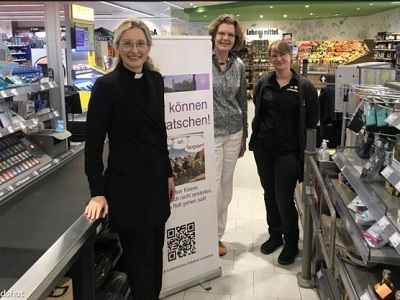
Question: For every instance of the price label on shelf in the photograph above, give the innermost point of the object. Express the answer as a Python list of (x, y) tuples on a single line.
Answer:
[(397, 186), (383, 222), (387, 172), (14, 92), (365, 296), (391, 118), (395, 239), (3, 94)]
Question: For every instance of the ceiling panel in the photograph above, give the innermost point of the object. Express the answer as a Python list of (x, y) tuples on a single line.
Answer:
[(290, 10), (205, 11)]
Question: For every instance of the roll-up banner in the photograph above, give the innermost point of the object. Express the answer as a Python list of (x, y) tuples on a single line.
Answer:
[(191, 239)]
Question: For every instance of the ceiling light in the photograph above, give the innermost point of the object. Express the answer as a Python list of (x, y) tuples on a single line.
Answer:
[(127, 8), (271, 6), (261, 16), (285, 16), (371, 4), (173, 5), (311, 14), (19, 5), (19, 17), (205, 16), (21, 12), (307, 6), (237, 15), (358, 8)]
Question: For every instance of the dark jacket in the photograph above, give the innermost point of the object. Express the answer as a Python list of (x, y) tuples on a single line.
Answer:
[(308, 110), (135, 182)]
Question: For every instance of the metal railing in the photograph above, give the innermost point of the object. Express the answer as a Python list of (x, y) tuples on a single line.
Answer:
[(312, 175)]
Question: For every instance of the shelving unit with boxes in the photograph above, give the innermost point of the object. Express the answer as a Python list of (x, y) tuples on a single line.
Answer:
[(255, 57), (20, 52), (385, 46), (349, 260)]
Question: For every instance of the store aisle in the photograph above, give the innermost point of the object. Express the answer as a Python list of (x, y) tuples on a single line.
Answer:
[(247, 274)]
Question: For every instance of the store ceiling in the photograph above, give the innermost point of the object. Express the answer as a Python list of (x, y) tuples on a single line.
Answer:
[(205, 11)]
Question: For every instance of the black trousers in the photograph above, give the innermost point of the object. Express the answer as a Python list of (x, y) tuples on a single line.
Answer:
[(143, 261), (278, 172)]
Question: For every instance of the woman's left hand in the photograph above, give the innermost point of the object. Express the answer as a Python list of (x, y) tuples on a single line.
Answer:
[(242, 147), (171, 189)]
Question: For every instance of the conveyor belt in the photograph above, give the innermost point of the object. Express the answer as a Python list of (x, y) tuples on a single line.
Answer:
[(35, 219)]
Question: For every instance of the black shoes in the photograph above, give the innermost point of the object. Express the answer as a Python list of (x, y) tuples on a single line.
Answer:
[(288, 254), (271, 245)]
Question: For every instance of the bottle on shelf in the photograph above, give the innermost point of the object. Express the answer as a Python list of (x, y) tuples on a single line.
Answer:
[(323, 154), (385, 288)]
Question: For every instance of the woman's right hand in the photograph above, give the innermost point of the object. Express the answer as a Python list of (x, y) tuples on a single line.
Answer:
[(96, 208)]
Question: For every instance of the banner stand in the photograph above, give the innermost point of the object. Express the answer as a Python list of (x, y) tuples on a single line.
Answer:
[(190, 254), (190, 283)]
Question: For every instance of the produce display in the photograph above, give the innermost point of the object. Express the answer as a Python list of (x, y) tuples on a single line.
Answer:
[(331, 52)]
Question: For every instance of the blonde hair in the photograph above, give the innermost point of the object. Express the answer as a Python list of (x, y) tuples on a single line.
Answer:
[(231, 20), (130, 24)]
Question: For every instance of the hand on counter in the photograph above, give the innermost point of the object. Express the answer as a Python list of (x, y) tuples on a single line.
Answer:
[(96, 208)]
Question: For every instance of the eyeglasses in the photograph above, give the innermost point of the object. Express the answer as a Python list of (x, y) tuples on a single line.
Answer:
[(229, 35), (128, 44)]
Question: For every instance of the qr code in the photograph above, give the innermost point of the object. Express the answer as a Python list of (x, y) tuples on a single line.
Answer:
[(181, 241)]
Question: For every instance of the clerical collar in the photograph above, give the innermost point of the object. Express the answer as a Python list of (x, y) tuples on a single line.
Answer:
[(138, 75)]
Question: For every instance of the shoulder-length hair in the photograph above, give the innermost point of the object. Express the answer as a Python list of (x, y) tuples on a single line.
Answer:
[(227, 19)]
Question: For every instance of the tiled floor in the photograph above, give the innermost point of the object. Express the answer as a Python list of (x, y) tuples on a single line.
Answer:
[(247, 274)]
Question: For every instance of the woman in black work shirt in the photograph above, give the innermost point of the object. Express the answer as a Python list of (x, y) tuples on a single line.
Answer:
[(286, 104)]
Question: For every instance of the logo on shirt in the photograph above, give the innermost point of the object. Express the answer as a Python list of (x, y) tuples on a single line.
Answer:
[(293, 88)]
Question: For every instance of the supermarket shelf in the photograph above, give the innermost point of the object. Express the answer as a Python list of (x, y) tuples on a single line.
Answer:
[(29, 124), (12, 91), (327, 285), (371, 194), (341, 198), (356, 281), (384, 49), (387, 41)]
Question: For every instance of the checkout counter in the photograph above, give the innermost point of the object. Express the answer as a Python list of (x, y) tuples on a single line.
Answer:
[(44, 235)]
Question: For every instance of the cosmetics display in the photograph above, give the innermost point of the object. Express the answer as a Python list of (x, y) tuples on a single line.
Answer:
[(19, 157)]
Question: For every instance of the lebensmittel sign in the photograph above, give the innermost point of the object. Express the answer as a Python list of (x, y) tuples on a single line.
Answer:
[(263, 34)]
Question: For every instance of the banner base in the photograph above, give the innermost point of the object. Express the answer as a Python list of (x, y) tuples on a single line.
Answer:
[(189, 283)]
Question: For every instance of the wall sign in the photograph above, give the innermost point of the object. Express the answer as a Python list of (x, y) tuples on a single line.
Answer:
[(263, 34), (82, 12)]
